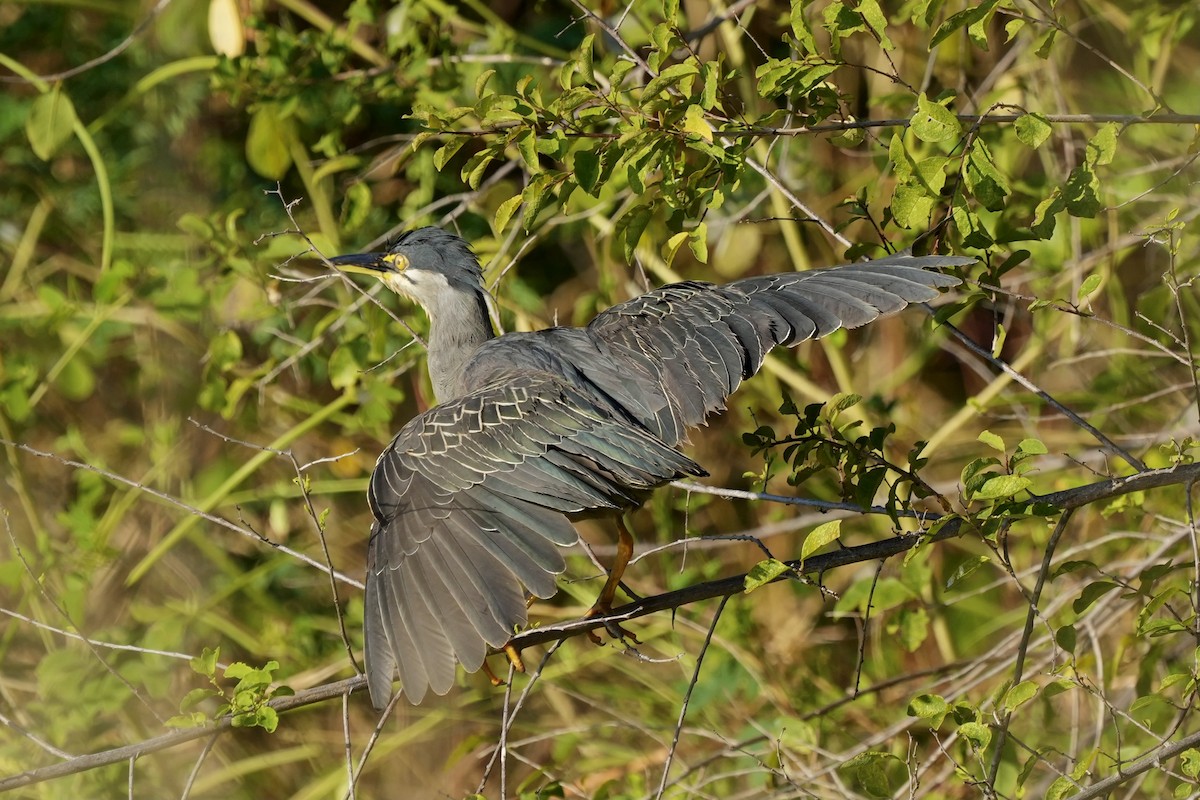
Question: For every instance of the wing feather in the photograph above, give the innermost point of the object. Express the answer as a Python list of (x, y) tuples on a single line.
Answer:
[(695, 342), (470, 502)]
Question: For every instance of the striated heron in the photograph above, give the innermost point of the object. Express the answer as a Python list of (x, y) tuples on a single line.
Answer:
[(473, 498)]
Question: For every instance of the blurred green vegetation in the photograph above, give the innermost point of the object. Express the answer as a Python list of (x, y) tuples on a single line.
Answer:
[(190, 403)]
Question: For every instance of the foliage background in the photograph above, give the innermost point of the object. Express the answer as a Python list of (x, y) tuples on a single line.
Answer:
[(179, 376)]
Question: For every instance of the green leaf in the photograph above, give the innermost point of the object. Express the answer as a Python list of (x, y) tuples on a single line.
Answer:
[(1045, 43), (764, 572), (1090, 594), (1065, 637), (76, 380), (672, 247), (842, 402), (1033, 129), (710, 75), (819, 537), (1032, 447), (883, 595), (1001, 486), (238, 670), (619, 72), (504, 213), (1044, 215), (911, 206), (965, 569), (269, 142), (1147, 625), (587, 170), (1145, 708), (902, 163), (1018, 695), (477, 164), (694, 123), (1062, 787), (482, 81), (668, 77), (978, 734), (983, 179), (344, 369), (267, 718), (537, 195), (447, 151), (1103, 146), (869, 770), (975, 468), (527, 146), (632, 225), (930, 173), (586, 66), (914, 628), (1067, 567), (873, 15), (799, 26), (51, 122), (974, 18), (931, 707), (206, 662), (1081, 193), (1189, 763), (934, 122), (991, 440), (1089, 285), (698, 242), (356, 206)]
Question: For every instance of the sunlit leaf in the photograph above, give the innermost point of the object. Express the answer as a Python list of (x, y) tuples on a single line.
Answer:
[(764, 572), (50, 123), (820, 536)]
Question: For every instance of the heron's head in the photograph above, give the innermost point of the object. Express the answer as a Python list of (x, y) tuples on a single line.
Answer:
[(421, 264)]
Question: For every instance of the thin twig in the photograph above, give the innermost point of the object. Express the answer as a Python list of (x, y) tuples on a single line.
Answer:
[(1023, 646), (666, 770)]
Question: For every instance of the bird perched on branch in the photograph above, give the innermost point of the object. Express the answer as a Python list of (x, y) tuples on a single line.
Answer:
[(473, 498)]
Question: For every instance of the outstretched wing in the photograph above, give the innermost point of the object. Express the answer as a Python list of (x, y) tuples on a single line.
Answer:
[(470, 501), (694, 343)]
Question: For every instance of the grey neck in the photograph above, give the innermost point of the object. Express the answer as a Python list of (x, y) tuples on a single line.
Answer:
[(458, 328)]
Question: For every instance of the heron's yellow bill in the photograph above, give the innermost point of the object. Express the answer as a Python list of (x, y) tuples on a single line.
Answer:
[(370, 263)]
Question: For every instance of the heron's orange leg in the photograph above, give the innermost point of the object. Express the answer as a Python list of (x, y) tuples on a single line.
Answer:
[(514, 658), (604, 602), (495, 679)]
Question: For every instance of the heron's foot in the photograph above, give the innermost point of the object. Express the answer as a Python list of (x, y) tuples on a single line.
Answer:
[(614, 630), (492, 676), (514, 658)]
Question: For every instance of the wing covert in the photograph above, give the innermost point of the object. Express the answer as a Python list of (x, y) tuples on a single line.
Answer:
[(470, 503)]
